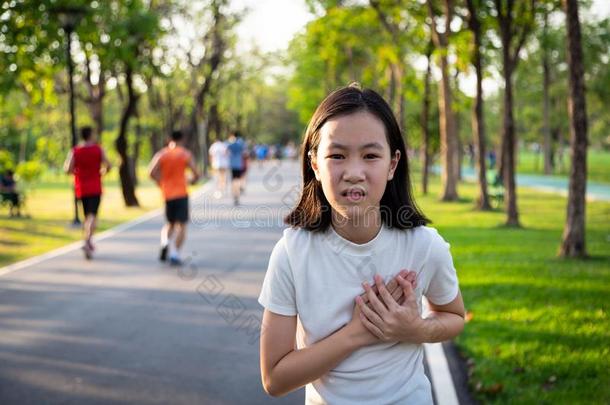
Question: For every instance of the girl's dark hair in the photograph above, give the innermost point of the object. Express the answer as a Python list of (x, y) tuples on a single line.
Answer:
[(398, 209)]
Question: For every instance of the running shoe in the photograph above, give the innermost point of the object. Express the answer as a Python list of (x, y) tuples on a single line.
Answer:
[(163, 254), (174, 261), (87, 251)]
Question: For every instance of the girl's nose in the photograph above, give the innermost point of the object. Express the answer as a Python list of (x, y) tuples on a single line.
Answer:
[(353, 173)]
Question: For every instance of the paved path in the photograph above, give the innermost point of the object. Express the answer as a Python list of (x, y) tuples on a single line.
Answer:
[(124, 328)]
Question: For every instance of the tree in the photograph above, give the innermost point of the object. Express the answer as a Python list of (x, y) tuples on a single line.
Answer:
[(425, 120), (573, 240), (134, 34), (515, 22), (478, 122), (204, 71), (449, 140)]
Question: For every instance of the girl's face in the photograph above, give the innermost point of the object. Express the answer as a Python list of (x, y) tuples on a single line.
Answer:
[(354, 163)]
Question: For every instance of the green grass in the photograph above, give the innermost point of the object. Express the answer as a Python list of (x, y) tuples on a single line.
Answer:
[(50, 206), (540, 332), (598, 165)]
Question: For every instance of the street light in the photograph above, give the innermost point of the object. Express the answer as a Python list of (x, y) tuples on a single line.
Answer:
[(69, 17)]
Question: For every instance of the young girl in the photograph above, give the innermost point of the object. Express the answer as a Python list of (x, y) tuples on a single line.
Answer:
[(356, 223)]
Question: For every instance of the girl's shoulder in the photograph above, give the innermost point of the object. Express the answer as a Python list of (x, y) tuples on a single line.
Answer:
[(294, 235), (421, 235)]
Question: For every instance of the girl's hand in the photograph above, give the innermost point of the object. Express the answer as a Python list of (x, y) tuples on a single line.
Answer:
[(393, 287), (361, 334), (387, 319)]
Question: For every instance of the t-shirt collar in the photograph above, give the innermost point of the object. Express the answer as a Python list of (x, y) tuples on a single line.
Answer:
[(341, 245)]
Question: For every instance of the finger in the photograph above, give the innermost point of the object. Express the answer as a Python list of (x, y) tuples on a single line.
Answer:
[(384, 293), (370, 314), (371, 327), (392, 285), (411, 277), (397, 293), (375, 302), (406, 287)]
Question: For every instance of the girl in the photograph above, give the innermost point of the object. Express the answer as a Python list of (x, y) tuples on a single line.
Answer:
[(356, 222)]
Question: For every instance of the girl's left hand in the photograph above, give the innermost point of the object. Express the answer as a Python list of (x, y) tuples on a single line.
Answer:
[(387, 319)]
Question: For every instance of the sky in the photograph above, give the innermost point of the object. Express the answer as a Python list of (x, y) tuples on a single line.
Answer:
[(272, 23)]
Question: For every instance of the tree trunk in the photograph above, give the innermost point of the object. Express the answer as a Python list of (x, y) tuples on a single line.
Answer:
[(136, 149), (547, 145), (449, 175), (478, 121), (425, 122), (127, 185), (508, 152), (510, 31), (573, 243)]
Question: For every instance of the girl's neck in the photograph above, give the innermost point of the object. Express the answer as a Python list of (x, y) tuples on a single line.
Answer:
[(359, 230)]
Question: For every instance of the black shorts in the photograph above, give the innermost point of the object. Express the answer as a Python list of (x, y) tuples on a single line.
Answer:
[(236, 173), (13, 198), (90, 204), (177, 210)]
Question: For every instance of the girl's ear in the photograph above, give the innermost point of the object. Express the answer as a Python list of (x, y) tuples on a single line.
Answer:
[(394, 164), (313, 161)]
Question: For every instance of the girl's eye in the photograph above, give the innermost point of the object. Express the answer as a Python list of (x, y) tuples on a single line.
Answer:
[(335, 156), (371, 156)]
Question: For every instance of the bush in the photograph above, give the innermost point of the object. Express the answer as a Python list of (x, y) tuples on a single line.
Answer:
[(6, 161), (30, 171)]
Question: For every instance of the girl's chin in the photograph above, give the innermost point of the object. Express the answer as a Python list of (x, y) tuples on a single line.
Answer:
[(353, 212)]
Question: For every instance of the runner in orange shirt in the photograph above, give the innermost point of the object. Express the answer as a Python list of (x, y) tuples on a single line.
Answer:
[(168, 169)]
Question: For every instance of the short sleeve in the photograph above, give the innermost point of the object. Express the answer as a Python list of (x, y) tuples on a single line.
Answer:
[(278, 292), (443, 286)]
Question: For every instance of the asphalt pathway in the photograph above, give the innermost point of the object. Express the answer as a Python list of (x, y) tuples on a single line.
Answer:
[(126, 329)]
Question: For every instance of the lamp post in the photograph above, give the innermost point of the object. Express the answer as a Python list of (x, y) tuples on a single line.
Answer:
[(69, 18)]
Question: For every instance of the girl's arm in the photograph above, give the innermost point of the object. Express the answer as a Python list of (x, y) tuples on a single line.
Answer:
[(285, 368), (390, 321)]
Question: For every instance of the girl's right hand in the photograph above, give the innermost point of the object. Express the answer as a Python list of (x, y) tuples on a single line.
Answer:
[(357, 331)]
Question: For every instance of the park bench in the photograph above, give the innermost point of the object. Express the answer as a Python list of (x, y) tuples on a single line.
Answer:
[(6, 200)]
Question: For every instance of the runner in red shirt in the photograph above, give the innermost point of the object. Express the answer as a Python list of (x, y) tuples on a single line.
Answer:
[(168, 169), (88, 162)]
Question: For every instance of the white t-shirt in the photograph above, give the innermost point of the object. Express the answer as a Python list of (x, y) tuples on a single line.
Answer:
[(317, 275), (220, 155)]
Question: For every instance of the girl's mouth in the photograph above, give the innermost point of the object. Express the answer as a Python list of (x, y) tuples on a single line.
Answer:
[(354, 194)]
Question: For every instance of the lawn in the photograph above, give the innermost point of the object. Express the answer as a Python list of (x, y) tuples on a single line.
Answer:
[(598, 165), (539, 331), (50, 206)]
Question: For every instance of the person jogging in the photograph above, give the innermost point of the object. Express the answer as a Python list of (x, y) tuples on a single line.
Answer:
[(88, 162), (236, 147), (168, 170)]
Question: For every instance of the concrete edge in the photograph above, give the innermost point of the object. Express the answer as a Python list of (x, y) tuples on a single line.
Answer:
[(442, 382)]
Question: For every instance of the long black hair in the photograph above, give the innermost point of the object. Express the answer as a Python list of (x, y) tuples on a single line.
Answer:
[(398, 208)]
